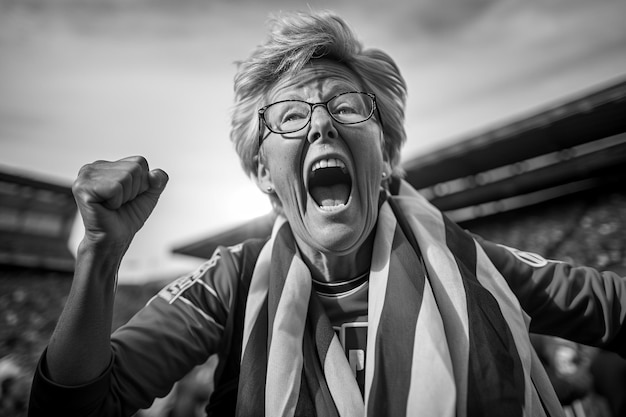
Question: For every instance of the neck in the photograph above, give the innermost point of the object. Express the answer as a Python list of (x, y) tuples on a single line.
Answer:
[(329, 267)]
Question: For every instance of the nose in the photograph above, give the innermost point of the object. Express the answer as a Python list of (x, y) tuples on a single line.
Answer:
[(322, 124)]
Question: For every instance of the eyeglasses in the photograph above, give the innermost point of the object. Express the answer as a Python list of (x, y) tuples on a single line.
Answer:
[(289, 116)]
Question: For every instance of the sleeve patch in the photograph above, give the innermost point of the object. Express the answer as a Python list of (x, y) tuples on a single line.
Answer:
[(175, 289), (529, 258)]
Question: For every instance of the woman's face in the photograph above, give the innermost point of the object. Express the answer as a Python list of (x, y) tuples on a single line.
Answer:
[(327, 176)]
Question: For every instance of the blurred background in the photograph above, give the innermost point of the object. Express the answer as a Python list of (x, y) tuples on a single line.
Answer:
[(515, 122)]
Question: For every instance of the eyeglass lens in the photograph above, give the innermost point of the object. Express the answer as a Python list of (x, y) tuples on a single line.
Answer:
[(292, 115)]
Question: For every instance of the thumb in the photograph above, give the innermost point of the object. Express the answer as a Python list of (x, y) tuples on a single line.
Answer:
[(147, 200), (157, 179)]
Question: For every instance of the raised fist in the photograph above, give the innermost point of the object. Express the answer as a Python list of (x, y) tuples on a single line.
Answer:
[(116, 198)]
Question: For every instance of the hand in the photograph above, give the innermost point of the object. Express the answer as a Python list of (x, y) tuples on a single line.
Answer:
[(116, 198)]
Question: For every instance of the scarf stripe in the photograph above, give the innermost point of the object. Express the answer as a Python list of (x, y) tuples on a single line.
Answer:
[(251, 390), (544, 393), (256, 300), (321, 399), (394, 360), (431, 357), (283, 377), (282, 263), (341, 382), (379, 275), (257, 294), (513, 327), (323, 332), (316, 344), (497, 392)]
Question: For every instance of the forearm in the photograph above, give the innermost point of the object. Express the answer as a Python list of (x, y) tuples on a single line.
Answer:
[(79, 350)]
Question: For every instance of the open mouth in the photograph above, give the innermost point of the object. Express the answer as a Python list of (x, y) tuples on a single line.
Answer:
[(330, 184)]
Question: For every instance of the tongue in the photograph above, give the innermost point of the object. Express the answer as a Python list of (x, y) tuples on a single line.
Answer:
[(331, 195)]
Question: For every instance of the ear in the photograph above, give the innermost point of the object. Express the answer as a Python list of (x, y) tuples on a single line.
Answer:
[(263, 176)]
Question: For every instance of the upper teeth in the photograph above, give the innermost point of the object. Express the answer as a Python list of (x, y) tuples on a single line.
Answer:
[(330, 162)]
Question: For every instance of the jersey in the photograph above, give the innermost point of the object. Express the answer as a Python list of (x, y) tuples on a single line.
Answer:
[(202, 313)]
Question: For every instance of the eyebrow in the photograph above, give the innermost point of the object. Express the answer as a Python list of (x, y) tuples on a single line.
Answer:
[(332, 92)]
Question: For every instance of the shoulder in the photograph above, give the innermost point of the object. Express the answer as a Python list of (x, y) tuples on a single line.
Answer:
[(218, 277)]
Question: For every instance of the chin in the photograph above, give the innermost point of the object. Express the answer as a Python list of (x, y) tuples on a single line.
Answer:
[(338, 239)]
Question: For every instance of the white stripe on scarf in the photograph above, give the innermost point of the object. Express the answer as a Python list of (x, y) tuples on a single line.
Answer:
[(259, 285), (341, 382), (379, 273), (283, 376), (434, 395)]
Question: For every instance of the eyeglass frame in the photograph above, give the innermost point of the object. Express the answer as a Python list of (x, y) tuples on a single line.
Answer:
[(263, 122)]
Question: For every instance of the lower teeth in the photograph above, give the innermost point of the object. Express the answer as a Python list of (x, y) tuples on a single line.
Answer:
[(331, 208)]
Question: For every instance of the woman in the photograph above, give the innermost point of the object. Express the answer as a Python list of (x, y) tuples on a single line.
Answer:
[(364, 301)]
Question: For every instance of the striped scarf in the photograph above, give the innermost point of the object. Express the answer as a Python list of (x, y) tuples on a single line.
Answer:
[(446, 336)]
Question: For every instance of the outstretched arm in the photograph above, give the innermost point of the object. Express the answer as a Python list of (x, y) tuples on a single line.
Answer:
[(114, 200), (576, 303)]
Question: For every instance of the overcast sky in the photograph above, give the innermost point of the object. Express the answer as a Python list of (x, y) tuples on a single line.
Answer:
[(87, 80)]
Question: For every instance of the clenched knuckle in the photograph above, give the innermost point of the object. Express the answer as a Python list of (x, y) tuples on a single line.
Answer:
[(141, 160), (77, 187), (117, 187)]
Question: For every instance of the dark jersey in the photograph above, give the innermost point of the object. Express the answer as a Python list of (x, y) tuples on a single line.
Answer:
[(196, 316)]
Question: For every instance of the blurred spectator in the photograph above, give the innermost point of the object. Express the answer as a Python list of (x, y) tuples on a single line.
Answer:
[(14, 388), (609, 372), (568, 365)]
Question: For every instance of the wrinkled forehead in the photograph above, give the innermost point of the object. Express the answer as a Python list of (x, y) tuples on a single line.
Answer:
[(320, 76)]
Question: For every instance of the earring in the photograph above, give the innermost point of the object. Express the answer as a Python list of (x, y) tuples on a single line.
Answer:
[(269, 190), (384, 174)]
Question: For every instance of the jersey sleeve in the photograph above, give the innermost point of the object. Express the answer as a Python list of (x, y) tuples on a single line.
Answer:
[(179, 328), (576, 303)]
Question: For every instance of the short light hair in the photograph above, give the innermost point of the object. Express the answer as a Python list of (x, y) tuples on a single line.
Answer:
[(295, 38)]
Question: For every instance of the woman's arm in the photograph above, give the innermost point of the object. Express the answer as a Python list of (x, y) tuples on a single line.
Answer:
[(85, 370), (179, 328), (576, 303), (114, 200)]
